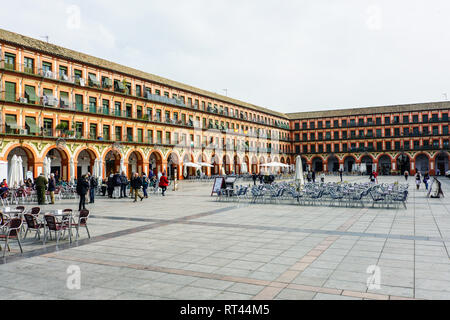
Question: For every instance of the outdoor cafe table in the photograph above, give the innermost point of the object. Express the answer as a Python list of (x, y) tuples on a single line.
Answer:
[(61, 214)]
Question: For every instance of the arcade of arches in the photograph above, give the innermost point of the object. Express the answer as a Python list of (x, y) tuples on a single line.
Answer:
[(84, 160)]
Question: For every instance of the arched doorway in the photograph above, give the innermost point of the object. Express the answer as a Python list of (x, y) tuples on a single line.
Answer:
[(384, 163), (255, 168), (348, 163), (317, 164), (188, 171), (332, 164), (215, 162), (247, 168), (155, 162), (367, 160), (59, 163), (442, 163), (173, 166), (135, 164), (403, 163), (27, 162), (226, 165), (304, 164), (112, 163), (262, 170), (202, 158), (236, 165), (85, 162), (422, 163)]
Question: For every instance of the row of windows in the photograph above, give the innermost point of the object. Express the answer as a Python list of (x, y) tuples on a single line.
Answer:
[(125, 87), (386, 120), (121, 133), (371, 146), (132, 111), (426, 130)]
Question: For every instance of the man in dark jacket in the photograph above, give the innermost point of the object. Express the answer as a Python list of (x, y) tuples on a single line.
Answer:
[(123, 185), (136, 184), (254, 177), (93, 184), (41, 185), (82, 190), (117, 185), (110, 186)]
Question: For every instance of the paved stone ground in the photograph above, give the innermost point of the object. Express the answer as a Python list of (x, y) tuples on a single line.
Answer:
[(188, 246)]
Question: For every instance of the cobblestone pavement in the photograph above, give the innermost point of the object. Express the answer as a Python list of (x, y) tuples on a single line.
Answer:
[(188, 246)]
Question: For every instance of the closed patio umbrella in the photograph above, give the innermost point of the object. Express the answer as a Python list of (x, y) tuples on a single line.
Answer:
[(72, 171), (299, 170), (13, 172), (20, 169)]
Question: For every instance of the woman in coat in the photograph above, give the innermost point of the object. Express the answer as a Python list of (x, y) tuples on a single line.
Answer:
[(163, 183), (418, 178)]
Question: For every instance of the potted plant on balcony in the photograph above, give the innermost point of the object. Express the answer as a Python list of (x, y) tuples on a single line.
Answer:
[(62, 127)]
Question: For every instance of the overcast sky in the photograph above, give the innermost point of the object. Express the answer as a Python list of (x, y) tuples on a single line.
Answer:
[(288, 56)]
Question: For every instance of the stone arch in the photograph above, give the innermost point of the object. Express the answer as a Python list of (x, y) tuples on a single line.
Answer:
[(135, 162), (385, 164), (226, 164), (28, 160), (349, 161), (441, 163), (215, 161), (173, 165), (59, 162), (155, 161), (332, 163), (236, 164), (84, 161), (317, 164), (368, 160), (112, 161), (422, 162), (403, 163)]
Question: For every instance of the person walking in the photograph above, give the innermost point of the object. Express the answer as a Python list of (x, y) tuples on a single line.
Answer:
[(340, 173), (145, 184), (406, 174), (313, 176), (261, 178), (375, 175), (52, 188), (41, 185), (93, 184), (254, 179), (110, 186), (82, 190), (322, 177), (418, 179), (163, 183), (426, 178), (136, 184), (123, 185)]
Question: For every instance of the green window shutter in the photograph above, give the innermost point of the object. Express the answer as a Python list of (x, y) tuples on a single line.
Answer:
[(10, 91), (31, 123), (31, 94), (11, 121), (79, 102)]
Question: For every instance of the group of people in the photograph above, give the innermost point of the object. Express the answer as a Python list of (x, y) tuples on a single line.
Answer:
[(86, 184), (263, 178), (117, 184)]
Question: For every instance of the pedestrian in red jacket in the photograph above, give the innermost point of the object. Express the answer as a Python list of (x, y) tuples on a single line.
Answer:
[(163, 183)]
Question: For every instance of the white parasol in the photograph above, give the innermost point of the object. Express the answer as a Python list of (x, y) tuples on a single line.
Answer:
[(299, 170)]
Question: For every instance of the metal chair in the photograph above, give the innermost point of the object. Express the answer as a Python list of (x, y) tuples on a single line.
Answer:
[(12, 231)]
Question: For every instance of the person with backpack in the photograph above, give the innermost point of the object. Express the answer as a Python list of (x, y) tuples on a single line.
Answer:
[(123, 185), (163, 183), (82, 190), (145, 183), (93, 184)]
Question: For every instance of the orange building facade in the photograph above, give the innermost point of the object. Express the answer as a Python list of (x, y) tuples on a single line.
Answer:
[(389, 140), (78, 113), (73, 113)]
